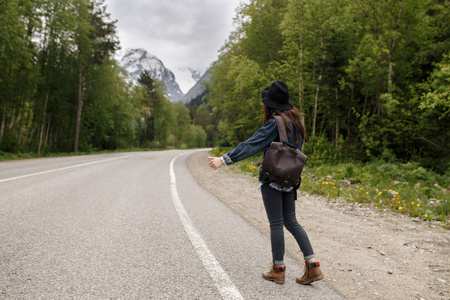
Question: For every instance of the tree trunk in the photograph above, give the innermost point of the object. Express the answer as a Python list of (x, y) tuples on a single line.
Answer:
[(300, 86), (2, 126), (316, 100), (43, 122), (391, 53), (350, 112), (47, 133), (31, 132), (13, 110), (21, 123), (5, 101), (27, 122), (79, 109), (336, 143)]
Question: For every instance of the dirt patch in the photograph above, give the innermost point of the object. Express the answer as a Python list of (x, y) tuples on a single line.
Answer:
[(364, 253)]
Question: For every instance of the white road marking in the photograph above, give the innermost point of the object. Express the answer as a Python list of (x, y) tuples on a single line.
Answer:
[(64, 168), (223, 283)]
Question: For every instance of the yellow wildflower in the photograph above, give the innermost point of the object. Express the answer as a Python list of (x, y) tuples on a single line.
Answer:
[(426, 216), (379, 194), (418, 204), (400, 208), (412, 203), (367, 192)]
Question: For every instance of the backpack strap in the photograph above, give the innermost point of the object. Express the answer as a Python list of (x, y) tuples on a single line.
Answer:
[(281, 129)]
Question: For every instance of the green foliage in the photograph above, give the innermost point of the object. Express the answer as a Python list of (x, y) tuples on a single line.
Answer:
[(61, 89), (401, 187), (437, 88), (371, 82), (368, 79)]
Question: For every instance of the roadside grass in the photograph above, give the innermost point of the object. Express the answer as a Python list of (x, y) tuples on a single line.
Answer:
[(405, 188), (14, 156)]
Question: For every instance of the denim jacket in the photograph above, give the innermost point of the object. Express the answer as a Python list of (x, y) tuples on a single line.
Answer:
[(260, 140)]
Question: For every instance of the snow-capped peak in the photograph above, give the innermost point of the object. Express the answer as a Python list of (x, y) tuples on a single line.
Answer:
[(135, 61)]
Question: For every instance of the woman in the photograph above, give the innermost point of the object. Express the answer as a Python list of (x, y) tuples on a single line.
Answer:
[(279, 202)]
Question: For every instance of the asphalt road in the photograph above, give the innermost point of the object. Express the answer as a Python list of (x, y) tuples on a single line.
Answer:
[(129, 226)]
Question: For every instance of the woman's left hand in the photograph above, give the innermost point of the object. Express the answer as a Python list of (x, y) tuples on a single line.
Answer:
[(215, 162)]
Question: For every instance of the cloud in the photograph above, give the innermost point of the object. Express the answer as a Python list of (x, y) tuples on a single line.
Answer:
[(182, 33)]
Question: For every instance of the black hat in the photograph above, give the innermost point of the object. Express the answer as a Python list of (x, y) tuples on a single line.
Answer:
[(277, 96)]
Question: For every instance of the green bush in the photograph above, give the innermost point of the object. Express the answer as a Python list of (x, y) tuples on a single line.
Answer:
[(402, 187)]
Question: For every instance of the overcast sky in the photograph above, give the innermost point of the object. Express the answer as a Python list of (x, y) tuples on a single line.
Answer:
[(182, 33)]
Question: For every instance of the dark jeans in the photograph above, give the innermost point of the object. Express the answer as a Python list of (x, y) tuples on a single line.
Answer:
[(280, 209)]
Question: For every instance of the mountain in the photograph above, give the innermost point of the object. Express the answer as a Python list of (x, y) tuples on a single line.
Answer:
[(135, 61), (198, 90), (186, 78)]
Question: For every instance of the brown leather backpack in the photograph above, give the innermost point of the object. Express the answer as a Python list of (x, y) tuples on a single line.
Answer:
[(283, 162)]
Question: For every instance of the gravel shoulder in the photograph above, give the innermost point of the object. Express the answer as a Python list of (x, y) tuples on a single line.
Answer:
[(364, 253)]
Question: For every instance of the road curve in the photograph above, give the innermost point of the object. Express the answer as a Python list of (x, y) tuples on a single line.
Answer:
[(128, 226)]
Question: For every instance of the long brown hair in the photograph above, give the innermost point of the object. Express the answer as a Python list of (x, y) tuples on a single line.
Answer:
[(293, 115)]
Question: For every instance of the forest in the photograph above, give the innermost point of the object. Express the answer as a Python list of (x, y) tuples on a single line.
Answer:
[(371, 79), (61, 89)]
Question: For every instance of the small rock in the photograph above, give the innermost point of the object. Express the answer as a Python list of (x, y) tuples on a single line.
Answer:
[(390, 272), (345, 182), (352, 181), (369, 247), (396, 182), (416, 220), (382, 253), (329, 177), (349, 270), (371, 280), (442, 280)]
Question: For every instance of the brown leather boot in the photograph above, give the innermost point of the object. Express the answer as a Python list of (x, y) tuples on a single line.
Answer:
[(276, 274), (312, 273)]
